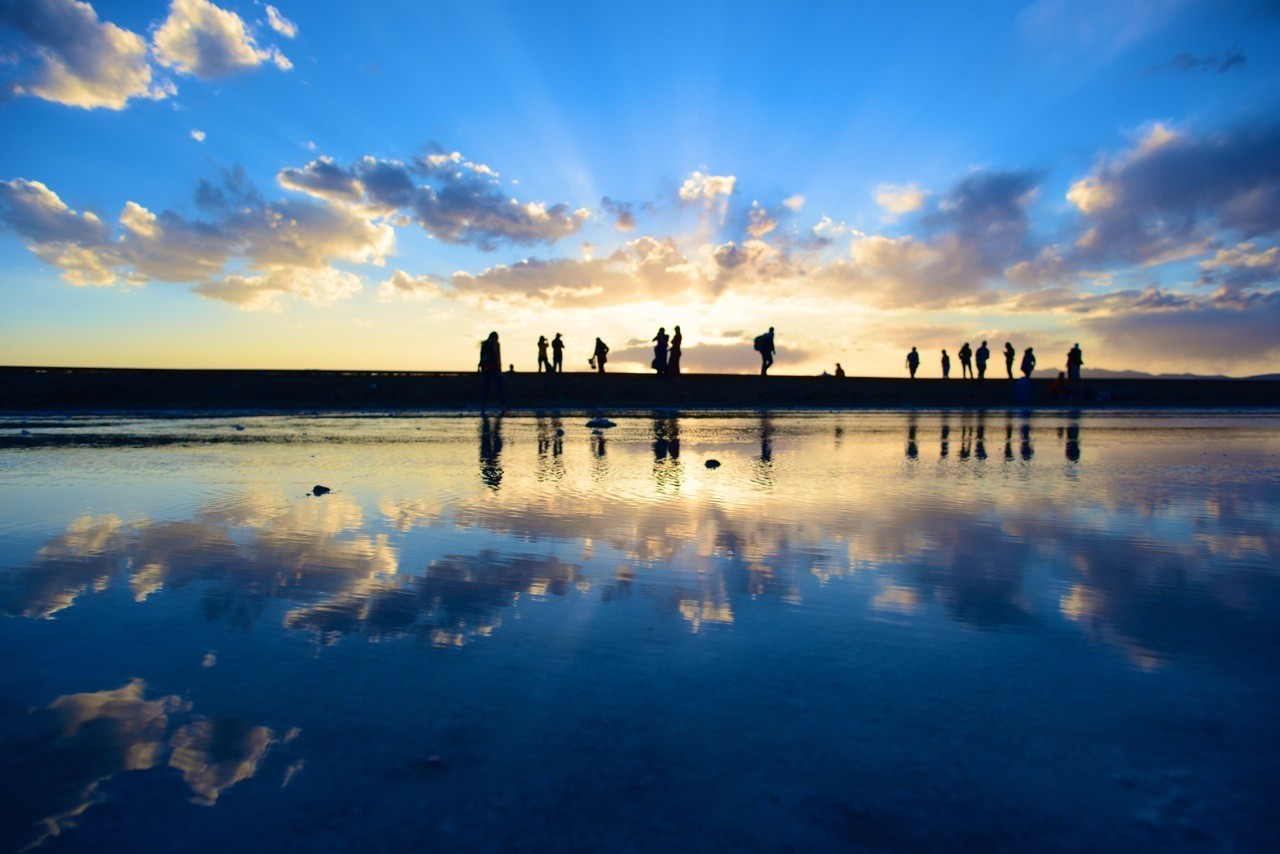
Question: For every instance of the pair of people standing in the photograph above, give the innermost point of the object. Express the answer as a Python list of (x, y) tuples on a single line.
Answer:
[(557, 349), (968, 357), (667, 350)]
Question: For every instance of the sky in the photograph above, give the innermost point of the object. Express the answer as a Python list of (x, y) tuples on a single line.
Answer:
[(376, 186)]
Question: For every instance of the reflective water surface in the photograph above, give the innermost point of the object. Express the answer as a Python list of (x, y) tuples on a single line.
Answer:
[(876, 630)]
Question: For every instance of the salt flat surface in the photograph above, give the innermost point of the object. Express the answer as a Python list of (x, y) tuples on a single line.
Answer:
[(863, 630)]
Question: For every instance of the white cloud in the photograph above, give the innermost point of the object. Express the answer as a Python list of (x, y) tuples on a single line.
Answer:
[(207, 41), (402, 286), (267, 291), (706, 188), (898, 199), (79, 60), (198, 135), (759, 222), (794, 203), (280, 23)]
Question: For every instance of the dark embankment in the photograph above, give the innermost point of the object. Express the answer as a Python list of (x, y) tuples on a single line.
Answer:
[(24, 389)]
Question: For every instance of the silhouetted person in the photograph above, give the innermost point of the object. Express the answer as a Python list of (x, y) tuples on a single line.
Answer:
[(839, 371), (1058, 388), (946, 365), (966, 361), (543, 344), (913, 362), (557, 354), (491, 371), (1075, 358), (673, 356), (764, 346), (1028, 363), (660, 351), (1009, 354), (981, 358), (600, 356)]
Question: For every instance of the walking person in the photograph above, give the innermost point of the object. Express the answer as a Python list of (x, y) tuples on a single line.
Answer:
[(946, 365), (490, 367), (764, 346), (600, 356), (1009, 353), (1075, 358), (673, 355), (981, 358), (557, 354), (660, 351), (966, 361), (1028, 363), (542, 354), (913, 362)]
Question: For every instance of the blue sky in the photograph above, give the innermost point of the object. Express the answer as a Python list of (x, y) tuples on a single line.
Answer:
[(325, 185)]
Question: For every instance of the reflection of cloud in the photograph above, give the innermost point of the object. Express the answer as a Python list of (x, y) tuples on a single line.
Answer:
[(102, 734)]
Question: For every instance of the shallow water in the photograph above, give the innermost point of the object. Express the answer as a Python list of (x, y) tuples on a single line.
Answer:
[(877, 630)]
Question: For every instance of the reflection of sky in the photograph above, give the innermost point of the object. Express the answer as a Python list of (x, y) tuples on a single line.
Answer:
[(195, 571), (433, 539)]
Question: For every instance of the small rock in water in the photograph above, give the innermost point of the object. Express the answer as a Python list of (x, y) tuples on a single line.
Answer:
[(601, 422), (320, 490), (559, 432), (713, 464), (26, 432), (239, 426)]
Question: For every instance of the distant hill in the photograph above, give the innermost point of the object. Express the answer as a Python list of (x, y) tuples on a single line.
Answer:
[(1104, 374)]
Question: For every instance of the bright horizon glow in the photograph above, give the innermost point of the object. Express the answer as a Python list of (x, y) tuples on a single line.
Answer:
[(296, 187)]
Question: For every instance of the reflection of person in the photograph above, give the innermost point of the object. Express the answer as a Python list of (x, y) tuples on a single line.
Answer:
[(1009, 353), (981, 358), (600, 356), (660, 351), (946, 365), (673, 356), (491, 451), (491, 371), (913, 362), (543, 361), (557, 354), (764, 346), (1073, 441), (1028, 363), (966, 361), (1075, 358)]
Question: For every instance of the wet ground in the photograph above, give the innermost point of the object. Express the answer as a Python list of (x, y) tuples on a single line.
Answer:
[(883, 631)]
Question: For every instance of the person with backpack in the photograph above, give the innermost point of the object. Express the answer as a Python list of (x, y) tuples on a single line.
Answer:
[(1028, 363), (1075, 358), (764, 346)]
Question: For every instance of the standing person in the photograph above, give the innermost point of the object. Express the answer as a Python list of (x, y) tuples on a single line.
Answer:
[(491, 371), (1028, 363), (913, 362), (542, 354), (600, 357), (764, 346), (966, 361), (1009, 353), (673, 357), (1075, 358), (660, 351), (946, 365), (981, 358), (839, 371), (557, 354)]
